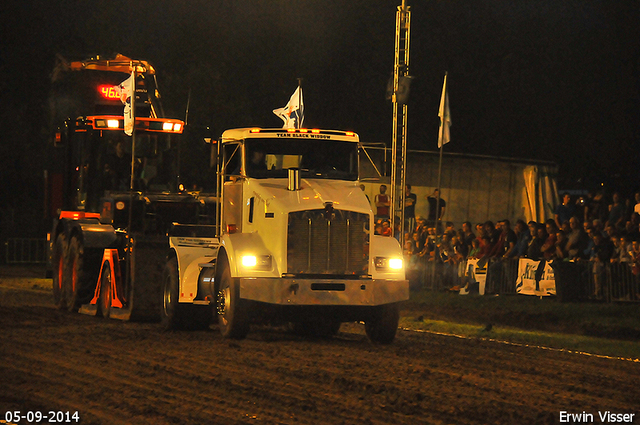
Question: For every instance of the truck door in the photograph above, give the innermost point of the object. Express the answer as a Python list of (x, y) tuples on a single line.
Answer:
[(232, 187)]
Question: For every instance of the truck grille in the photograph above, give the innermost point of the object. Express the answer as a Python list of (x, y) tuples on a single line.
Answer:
[(327, 242)]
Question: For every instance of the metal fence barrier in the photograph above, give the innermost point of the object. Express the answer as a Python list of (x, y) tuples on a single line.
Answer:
[(26, 251), (575, 281)]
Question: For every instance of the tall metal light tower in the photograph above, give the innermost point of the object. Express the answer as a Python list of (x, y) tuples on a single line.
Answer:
[(399, 97)]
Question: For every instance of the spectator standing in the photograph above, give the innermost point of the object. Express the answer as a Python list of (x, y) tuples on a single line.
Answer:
[(523, 238), (409, 207), (565, 210), (436, 203), (548, 249), (634, 232), (482, 241), (561, 245), (577, 240), (503, 248), (599, 255), (596, 208), (636, 208), (492, 235), (620, 250), (616, 211), (537, 240), (382, 202), (422, 230), (363, 188), (509, 239), (634, 254), (450, 229), (468, 236)]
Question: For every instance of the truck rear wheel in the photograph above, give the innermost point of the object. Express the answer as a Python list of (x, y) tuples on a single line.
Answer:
[(175, 315), (233, 316), (381, 327), (58, 262)]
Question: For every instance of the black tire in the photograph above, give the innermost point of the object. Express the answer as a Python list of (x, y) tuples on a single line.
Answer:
[(382, 325), (176, 316), (104, 303), (59, 260), (77, 284), (233, 315)]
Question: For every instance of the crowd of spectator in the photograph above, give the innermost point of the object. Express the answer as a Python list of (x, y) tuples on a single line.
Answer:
[(583, 229)]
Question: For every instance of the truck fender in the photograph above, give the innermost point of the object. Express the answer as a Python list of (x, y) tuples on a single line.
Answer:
[(389, 247), (237, 245), (191, 254), (92, 233), (98, 235)]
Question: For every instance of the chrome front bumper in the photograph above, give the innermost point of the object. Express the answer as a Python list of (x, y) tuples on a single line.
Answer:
[(292, 291)]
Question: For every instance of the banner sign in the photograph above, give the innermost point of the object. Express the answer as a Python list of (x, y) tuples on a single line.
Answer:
[(534, 280), (476, 273)]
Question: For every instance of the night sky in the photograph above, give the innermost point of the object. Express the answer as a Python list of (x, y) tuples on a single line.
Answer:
[(542, 79)]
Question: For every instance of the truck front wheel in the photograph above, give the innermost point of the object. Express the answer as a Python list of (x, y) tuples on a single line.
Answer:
[(232, 311), (382, 325)]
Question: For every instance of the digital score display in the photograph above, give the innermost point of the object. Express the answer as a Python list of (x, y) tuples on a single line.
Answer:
[(109, 92)]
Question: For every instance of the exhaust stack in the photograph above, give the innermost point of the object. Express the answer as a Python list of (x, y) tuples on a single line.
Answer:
[(294, 179)]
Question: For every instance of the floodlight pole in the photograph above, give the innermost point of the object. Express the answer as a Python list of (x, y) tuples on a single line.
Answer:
[(400, 71)]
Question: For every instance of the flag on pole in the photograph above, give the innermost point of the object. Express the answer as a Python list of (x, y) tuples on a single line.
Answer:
[(444, 135), (127, 91), (293, 113)]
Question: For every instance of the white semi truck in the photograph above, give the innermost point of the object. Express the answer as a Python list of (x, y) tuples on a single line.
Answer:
[(293, 242)]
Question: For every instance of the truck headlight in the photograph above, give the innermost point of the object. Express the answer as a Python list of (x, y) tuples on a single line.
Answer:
[(256, 262), (382, 263)]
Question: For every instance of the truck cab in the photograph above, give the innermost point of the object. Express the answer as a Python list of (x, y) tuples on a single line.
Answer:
[(295, 237)]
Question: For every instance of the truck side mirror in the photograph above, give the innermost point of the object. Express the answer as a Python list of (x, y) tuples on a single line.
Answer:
[(213, 156)]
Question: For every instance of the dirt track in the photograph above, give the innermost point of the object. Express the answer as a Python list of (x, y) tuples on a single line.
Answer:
[(113, 372)]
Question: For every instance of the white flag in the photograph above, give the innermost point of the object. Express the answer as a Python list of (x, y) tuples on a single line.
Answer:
[(293, 113), (127, 94), (444, 135)]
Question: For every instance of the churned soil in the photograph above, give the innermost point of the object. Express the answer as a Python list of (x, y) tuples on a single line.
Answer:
[(114, 372)]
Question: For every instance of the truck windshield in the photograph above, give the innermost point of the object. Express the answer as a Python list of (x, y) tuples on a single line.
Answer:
[(154, 164), (323, 159)]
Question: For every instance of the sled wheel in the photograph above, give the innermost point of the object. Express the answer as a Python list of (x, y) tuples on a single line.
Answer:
[(73, 282), (58, 262), (105, 291)]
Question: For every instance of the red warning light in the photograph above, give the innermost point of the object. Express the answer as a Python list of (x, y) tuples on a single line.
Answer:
[(109, 92)]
